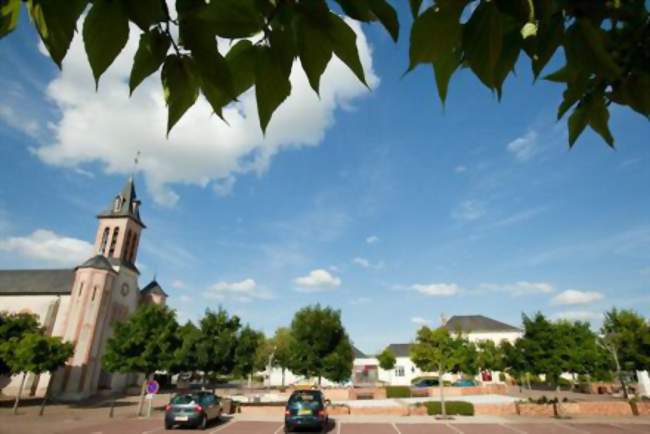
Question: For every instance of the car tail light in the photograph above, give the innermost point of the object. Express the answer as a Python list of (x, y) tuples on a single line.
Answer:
[(198, 408), (287, 412), (322, 413), (168, 407)]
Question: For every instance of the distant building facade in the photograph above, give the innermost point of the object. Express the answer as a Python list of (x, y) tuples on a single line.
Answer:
[(81, 305)]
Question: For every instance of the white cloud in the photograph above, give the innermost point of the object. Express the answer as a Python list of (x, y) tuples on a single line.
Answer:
[(12, 119), (420, 321), (517, 217), (184, 298), (245, 291), (372, 239), (178, 284), (437, 289), (365, 263), (579, 315), (525, 147), (360, 300), (573, 296), (45, 247), (108, 126), (468, 210), (317, 280), (520, 288), (460, 169)]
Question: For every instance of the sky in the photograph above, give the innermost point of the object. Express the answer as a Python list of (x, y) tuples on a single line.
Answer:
[(381, 203)]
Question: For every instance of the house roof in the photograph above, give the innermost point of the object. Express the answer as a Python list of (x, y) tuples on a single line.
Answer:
[(477, 323), (98, 262), (358, 354), (153, 288), (36, 282), (400, 350), (128, 204)]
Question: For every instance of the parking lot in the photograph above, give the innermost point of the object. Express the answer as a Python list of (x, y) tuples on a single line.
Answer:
[(140, 426)]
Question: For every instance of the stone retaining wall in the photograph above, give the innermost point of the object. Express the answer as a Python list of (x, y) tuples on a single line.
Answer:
[(401, 410), (495, 409), (596, 408), (530, 409)]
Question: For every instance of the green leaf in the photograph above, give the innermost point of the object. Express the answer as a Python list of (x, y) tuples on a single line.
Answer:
[(151, 54), (272, 85), (344, 44), (387, 16), (314, 50), (283, 46), (577, 123), (415, 7), (435, 33), (483, 41), (357, 9), (444, 67), (562, 75), (105, 33), (549, 38), (9, 13), (634, 92), (180, 85), (145, 13), (599, 118), (596, 41), (233, 18), (241, 61), (56, 23), (512, 43), (216, 83)]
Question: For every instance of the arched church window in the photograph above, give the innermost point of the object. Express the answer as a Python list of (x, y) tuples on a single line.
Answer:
[(81, 289), (102, 246), (134, 244), (94, 294), (116, 233), (127, 245)]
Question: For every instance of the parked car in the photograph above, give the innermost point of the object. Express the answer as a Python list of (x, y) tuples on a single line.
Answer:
[(465, 382), (193, 409), (306, 409), (427, 382)]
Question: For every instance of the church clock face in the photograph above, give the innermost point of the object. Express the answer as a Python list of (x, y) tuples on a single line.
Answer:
[(125, 290)]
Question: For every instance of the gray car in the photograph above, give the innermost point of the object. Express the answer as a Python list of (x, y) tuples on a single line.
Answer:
[(194, 409)]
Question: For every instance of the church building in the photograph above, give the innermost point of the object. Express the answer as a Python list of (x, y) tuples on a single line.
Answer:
[(82, 304)]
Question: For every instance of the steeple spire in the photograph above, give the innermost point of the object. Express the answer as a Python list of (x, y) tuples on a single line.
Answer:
[(125, 204)]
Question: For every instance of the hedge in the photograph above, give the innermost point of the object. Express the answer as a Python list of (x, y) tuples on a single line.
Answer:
[(460, 408), (398, 392)]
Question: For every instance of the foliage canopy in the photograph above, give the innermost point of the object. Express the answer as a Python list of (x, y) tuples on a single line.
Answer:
[(605, 45)]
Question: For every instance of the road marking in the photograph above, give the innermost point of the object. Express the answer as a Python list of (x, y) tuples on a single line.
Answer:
[(224, 426), (395, 426), (277, 431), (453, 428), (508, 426), (338, 427), (563, 425)]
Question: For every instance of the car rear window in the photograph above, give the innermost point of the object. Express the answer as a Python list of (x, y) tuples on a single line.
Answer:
[(184, 399), (305, 397)]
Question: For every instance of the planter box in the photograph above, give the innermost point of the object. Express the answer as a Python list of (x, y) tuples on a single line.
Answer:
[(417, 410), (643, 408), (338, 410), (495, 409), (367, 393), (596, 408), (261, 410), (530, 409), (384, 411)]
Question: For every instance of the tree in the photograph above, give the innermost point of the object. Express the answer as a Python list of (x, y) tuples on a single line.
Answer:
[(489, 356), (544, 349), (218, 344), (36, 354), (514, 360), (13, 327), (437, 350), (247, 352), (320, 346), (387, 360), (145, 343), (604, 44), (185, 356), (281, 344)]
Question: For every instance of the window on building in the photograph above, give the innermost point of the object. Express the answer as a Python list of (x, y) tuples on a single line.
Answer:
[(134, 243), (116, 233), (399, 371), (94, 293), (102, 246), (127, 245), (81, 289)]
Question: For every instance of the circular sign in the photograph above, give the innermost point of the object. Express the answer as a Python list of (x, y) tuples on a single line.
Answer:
[(152, 386)]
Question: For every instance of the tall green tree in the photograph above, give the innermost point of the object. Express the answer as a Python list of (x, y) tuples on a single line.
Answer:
[(514, 360), (320, 346), (437, 350), (489, 356), (387, 361), (543, 347), (603, 45), (36, 354), (145, 343), (216, 350), (281, 344), (247, 359), (13, 327), (185, 356)]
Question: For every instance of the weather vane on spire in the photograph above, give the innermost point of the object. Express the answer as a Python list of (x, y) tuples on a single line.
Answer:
[(136, 161)]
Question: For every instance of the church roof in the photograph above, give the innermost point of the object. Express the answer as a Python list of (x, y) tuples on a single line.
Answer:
[(400, 350), (98, 262), (36, 282), (358, 354), (477, 323), (128, 205), (153, 288)]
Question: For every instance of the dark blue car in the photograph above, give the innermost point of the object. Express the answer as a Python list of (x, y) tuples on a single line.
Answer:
[(306, 409)]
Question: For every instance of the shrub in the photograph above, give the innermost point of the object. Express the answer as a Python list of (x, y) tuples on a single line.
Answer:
[(502, 377), (459, 408), (564, 383), (398, 392)]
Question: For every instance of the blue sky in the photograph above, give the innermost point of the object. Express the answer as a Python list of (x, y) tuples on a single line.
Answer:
[(382, 204)]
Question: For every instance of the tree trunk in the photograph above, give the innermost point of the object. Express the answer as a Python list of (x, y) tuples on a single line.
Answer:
[(250, 381), (619, 373), (528, 380), (47, 394), (283, 371), (319, 380), (142, 390), (20, 391), (111, 412), (441, 386)]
